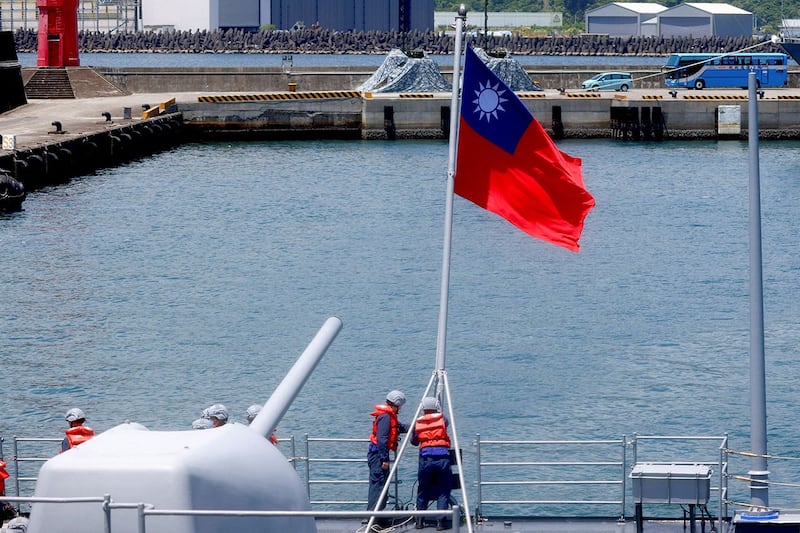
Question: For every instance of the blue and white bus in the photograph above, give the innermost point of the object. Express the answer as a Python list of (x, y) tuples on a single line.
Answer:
[(728, 70)]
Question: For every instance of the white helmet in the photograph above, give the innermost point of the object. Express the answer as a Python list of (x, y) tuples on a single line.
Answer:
[(218, 411), (253, 411), (74, 414), (396, 397), (429, 403)]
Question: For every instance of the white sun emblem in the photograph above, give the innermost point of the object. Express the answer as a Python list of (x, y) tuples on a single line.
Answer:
[(489, 101)]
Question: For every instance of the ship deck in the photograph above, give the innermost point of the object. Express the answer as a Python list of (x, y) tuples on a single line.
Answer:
[(531, 525)]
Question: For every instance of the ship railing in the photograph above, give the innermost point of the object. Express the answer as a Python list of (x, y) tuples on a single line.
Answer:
[(25, 467), (335, 476), (145, 510), (337, 467), (562, 473), (783, 482), (511, 477), (711, 451)]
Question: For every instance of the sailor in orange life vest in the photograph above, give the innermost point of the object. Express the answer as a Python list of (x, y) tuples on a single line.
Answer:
[(77, 432), (6, 509), (385, 431), (252, 413), (435, 476), (3, 476)]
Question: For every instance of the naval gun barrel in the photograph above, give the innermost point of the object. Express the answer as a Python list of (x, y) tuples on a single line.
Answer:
[(288, 389)]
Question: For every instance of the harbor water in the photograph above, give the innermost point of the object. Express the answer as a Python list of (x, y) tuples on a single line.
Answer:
[(196, 276), (141, 59)]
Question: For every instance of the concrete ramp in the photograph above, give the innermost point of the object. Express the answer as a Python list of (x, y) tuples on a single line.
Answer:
[(68, 82)]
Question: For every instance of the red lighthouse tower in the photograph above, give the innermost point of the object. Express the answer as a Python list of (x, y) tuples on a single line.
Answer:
[(58, 33)]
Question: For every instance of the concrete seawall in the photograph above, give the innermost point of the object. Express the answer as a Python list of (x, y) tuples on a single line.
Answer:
[(237, 79), (689, 114)]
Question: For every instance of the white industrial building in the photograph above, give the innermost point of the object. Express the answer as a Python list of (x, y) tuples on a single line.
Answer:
[(193, 15), (503, 20), (705, 20), (342, 15), (622, 19)]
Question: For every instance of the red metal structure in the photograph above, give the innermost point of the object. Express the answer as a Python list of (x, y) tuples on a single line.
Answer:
[(58, 33)]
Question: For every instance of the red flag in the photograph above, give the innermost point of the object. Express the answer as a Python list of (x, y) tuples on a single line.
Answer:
[(508, 164)]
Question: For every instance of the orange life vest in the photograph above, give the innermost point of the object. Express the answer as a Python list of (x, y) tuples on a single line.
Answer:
[(432, 430), (273, 439), (393, 429), (3, 476), (79, 435)]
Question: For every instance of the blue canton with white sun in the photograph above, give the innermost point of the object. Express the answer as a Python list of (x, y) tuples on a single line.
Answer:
[(490, 107)]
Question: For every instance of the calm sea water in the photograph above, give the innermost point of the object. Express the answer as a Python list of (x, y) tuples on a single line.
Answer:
[(317, 60), (150, 291)]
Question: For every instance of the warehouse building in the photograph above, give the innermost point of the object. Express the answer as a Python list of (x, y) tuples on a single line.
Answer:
[(343, 15), (502, 20), (705, 20), (622, 19)]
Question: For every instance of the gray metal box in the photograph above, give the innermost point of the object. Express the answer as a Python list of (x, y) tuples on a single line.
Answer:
[(660, 483)]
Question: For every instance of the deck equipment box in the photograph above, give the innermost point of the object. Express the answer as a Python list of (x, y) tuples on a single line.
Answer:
[(664, 483)]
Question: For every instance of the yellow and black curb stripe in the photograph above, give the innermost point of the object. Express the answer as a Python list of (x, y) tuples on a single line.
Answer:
[(530, 95), (582, 95), (652, 97), (163, 107), (310, 95), (713, 97), (788, 97), (415, 95)]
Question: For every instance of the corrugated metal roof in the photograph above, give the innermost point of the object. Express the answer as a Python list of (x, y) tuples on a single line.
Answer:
[(718, 9), (642, 7)]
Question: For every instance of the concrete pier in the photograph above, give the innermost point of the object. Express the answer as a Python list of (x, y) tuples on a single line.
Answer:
[(47, 141)]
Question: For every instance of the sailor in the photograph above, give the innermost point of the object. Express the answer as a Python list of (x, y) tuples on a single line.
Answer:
[(17, 525), (435, 477), (6, 509), (252, 412), (385, 431), (3, 476), (217, 413), (77, 432)]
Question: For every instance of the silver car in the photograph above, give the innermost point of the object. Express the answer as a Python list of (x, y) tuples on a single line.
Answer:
[(609, 81)]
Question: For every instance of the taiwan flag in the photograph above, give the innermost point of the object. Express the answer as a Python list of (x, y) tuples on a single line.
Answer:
[(508, 164)]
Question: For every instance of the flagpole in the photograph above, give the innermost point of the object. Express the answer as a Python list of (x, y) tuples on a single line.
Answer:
[(441, 338), (759, 473)]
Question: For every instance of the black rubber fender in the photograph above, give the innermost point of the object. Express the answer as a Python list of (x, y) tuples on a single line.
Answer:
[(35, 160)]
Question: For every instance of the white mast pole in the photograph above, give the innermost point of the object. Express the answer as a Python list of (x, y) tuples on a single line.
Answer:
[(441, 338)]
